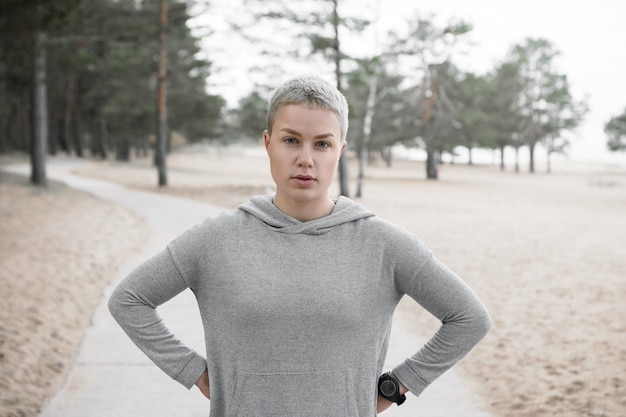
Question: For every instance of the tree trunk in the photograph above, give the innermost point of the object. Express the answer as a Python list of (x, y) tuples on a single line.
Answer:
[(385, 153), (98, 143), (104, 136), (344, 188), (367, 131), (516, 159), (142, 148), (3, 134), (361, 177), (531, 149), (21, 118), (469, 151), (122, 150), (4, 122), (431, 164), (40, 137), (53, 134), (549, 162), (161, 145), (61, 136), (69, 114), (501, 158), (77, 124)]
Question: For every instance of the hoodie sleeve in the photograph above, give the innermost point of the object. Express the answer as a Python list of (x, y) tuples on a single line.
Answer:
[(133, 305), (465, 321)]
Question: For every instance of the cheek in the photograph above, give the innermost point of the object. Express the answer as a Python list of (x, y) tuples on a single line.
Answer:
[(276, 166), (331, 164)]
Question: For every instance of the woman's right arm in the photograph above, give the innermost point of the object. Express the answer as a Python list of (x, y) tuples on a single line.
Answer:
[(133, 305)]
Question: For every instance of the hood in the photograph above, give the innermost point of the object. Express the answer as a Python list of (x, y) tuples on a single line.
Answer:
[(345, 211)]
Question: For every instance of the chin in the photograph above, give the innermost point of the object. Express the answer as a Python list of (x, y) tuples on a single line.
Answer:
[(305, 195)]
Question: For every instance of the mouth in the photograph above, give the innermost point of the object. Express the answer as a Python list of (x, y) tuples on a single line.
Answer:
[(303, 180)]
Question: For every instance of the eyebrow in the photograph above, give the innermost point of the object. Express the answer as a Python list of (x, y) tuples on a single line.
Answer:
[(296, 133)]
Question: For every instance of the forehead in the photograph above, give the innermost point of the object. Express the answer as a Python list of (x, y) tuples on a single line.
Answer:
[(307, 119)]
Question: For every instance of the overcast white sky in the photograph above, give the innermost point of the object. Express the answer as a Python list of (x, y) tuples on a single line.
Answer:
[(591, 36)]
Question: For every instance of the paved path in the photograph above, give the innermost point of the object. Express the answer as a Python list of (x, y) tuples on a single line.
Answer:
[(111, 377)]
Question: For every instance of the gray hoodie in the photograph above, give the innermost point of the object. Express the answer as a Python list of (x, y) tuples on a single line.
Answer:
[(297, 315)]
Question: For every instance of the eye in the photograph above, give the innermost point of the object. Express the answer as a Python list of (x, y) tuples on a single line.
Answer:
[(323, 144), (290, 141)]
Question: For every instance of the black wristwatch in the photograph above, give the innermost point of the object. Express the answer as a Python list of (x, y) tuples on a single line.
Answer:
[(389, 389)]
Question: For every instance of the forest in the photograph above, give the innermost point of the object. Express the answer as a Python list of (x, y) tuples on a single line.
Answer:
[(104, 78)]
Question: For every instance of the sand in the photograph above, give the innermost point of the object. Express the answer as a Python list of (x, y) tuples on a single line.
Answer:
[(59, 249), (544, 252)]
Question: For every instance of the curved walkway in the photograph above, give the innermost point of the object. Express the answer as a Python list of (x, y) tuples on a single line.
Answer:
[(111, 377)]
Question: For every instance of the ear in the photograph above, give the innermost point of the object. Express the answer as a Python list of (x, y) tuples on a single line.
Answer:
[(343, 148), (266, 141)]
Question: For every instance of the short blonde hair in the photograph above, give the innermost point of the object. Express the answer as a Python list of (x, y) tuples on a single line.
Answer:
[(313, 92)]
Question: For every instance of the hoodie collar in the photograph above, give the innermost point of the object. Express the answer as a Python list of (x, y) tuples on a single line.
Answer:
[(345, 211)]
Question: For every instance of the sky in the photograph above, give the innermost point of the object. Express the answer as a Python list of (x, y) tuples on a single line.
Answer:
[(590, 35)]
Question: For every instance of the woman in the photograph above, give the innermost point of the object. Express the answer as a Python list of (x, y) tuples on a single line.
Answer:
[(297, 290)]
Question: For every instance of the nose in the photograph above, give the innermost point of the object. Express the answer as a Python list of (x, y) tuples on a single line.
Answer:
[(305, 158)]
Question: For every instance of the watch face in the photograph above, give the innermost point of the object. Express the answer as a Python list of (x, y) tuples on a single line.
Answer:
[(388, 388)]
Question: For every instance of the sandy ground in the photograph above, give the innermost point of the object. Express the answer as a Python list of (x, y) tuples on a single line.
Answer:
[(59, 249), (545, 253)]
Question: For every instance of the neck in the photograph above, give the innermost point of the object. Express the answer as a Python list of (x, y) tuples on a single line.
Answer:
[(305, 211)]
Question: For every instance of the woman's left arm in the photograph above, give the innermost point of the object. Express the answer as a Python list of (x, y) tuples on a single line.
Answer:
[(465, 321)]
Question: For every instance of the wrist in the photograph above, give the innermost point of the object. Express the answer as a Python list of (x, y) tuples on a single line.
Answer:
[(391, 389), (403, 389)]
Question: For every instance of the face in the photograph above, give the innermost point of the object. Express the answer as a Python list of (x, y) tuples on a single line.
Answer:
[(304, 150)]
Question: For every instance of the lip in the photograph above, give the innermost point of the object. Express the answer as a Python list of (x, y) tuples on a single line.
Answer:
[(303, 180)]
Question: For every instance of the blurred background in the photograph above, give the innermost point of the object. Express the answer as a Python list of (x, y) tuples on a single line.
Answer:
[(447, 80)]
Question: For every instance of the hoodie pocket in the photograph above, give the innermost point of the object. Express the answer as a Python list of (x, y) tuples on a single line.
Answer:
[(306, 394)]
